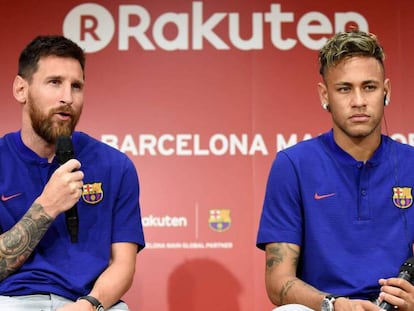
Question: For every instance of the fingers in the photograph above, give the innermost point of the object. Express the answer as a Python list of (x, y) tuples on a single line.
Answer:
[(71, 174), (71, 165), (390, 298), (396, 291), (63, 189), (398, 283)]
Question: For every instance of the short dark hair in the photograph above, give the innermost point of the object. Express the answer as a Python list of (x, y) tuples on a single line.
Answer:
[(349, 44), (50, 45)]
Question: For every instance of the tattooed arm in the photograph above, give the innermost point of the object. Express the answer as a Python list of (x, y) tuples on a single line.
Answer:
[(282, 285), (18, 243)]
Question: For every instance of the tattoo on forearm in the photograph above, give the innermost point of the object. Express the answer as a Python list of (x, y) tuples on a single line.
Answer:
[(285, 289), (288, 286), (275, 256), (278, 253), (295, 254), (18, 243)]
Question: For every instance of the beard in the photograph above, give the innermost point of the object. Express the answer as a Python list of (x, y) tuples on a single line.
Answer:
[(49, 129)]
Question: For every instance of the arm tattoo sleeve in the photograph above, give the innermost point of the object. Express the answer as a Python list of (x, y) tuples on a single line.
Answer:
[(18, 243), (279, 253), (285, 290), (275, 257), (276, 254)]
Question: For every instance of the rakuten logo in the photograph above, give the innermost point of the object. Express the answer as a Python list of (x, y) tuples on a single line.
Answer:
[(92, 26)]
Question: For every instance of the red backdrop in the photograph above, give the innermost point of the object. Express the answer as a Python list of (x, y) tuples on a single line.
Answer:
[(201, 95)]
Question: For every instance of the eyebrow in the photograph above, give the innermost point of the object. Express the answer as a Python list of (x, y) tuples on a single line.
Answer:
[(365, 82), (58, 77)]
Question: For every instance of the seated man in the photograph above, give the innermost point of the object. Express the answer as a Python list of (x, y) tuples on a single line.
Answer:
[(43, 265), (337, 219)]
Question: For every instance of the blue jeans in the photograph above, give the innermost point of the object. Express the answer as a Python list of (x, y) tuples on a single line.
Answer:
[(42, 303)]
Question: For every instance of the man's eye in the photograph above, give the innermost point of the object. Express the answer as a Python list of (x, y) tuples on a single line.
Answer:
[(77, 86), (370, 87)]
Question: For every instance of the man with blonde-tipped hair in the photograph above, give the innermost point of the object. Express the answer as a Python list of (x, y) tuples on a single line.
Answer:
[(337, 220)]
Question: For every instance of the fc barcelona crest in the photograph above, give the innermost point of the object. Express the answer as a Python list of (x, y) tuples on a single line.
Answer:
[(402, 197), (219, 220), (92, 193)]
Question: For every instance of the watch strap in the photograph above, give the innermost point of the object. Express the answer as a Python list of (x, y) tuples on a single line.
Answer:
[(95, 302)]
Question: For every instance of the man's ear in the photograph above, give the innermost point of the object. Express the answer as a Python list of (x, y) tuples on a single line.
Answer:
[(323, 96), (387, 92), (20, 86)]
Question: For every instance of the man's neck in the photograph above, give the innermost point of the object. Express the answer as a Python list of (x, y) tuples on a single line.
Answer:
[(37, 144), (360, 148)]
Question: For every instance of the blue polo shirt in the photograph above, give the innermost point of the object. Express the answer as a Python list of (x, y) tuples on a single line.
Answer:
[(353, 221), (108, 211)]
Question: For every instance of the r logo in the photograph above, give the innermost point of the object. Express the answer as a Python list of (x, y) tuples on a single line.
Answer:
[(90, 25)]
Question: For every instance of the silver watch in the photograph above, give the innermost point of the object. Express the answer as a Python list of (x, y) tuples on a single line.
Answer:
[(328, 303)]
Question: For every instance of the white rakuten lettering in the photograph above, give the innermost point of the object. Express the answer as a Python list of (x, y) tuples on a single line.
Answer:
[(203, 30), (164, 221), (178, 43), (342, 19), (256, 40), (276, 18), (316, 23), (137, 32), (313, 23), (312, 29)]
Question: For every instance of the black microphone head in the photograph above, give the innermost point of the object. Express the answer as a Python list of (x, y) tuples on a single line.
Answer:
[(64, 149), (408, 266)]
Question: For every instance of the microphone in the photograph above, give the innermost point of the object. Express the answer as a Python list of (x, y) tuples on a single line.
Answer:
[(406, 273), (65, 152)]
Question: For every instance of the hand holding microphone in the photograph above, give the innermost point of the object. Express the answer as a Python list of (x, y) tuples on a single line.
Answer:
[(64, 188), (407, 274)]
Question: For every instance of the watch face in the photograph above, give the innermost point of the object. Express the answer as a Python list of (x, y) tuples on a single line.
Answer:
[(326, 305), (100, 308)]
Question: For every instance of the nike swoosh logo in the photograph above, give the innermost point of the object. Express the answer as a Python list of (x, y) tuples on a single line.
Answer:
[(6, 198), (323, 196)]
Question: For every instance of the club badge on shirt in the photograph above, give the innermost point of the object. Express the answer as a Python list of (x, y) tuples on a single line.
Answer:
[(92, 193), (402, 197)]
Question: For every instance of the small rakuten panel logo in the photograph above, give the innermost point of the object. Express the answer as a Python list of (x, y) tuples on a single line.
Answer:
[(92, 26)]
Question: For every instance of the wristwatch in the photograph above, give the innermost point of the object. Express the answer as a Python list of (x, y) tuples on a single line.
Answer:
[(328, 303), (95, 302)]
